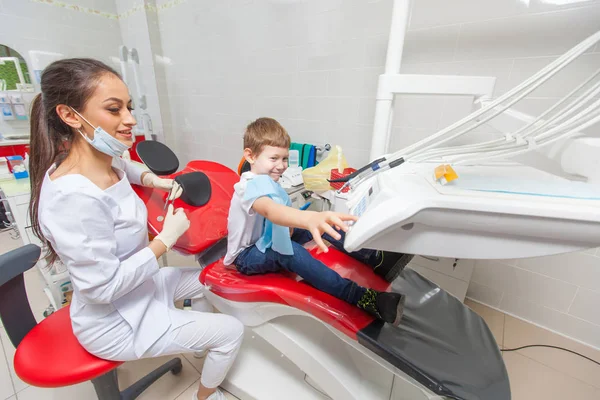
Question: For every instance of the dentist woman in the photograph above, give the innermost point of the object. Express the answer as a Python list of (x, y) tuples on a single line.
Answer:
[(84, 209)]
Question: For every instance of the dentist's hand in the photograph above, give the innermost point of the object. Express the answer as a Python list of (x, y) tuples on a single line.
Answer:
[(175, 225), (175, 192), (153, 181)]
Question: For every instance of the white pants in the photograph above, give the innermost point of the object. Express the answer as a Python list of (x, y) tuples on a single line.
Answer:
[(221, 335)]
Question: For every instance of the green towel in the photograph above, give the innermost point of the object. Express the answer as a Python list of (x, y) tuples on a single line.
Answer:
[(307, 154)]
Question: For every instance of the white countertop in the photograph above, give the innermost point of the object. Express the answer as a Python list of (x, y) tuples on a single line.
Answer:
[(15, 187), (13, 142)]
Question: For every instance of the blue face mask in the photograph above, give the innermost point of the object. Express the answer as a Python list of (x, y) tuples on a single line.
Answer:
[(103, 141)]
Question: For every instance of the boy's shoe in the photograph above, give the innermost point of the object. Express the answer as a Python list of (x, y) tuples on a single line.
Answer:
[(391, 264), (386, 306)]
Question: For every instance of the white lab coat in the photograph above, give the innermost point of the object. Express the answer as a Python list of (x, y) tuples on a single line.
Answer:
[(120, 298)]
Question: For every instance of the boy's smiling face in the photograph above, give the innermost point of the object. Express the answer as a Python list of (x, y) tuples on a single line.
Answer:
[(272, 161)]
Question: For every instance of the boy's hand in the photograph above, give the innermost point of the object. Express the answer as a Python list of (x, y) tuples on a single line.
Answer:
[(319, 223)]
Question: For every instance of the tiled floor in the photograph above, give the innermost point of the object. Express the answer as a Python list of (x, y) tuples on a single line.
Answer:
[(539, 373), (542, 373)]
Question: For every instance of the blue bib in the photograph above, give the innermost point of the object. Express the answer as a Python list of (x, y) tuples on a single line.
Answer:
[(274, 236)]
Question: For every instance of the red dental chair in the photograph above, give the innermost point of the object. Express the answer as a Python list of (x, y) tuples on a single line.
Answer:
[(441, 350)]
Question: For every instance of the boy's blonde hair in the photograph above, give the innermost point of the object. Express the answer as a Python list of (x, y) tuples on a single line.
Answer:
[(265, 132)]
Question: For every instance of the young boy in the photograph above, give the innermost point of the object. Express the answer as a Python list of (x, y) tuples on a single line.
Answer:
[(259, 238)]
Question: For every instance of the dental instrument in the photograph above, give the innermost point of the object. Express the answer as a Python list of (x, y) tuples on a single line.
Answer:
[(513, 197)]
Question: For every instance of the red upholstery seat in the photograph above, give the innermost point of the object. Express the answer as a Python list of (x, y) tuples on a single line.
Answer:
[(51, 356), (209, 222), (284, 288)]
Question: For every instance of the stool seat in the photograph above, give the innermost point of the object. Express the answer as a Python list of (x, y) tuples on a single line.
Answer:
[(51, 356)]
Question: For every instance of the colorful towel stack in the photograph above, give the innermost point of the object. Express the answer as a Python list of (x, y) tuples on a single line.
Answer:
[(308, 154)]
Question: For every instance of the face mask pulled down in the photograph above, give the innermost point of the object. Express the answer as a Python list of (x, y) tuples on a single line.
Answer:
[(103, 141)]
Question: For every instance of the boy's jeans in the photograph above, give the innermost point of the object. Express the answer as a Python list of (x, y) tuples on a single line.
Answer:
[(252, 261)]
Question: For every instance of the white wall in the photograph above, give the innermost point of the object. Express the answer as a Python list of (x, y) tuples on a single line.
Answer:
[(32, 25), (313, 64), (307, 63), (35, 25)]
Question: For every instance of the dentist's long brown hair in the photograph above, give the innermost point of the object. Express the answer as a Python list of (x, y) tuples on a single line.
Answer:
[(71, 82)]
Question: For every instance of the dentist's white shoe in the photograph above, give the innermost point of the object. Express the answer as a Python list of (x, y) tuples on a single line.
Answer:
[(200, 354), (218, 395)]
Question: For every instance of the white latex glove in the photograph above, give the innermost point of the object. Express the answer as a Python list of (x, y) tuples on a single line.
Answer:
[(174, 226), (153, 181), (176, 191)]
